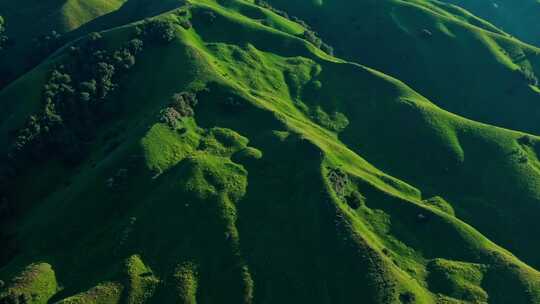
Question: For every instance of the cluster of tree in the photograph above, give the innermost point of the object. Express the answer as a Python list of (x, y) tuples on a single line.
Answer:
[(313, 37), (13, 298), (46, 44), (281, 13), (76, 98), (529, 76), (309, 34), (407, 297), (181, 105), (268, 6), (156, 31), (3, 37), (184, 103), (339, 180), (184, 19)]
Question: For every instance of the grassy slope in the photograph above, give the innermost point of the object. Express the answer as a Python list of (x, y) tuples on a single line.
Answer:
[(227, 211), (29, 19), (465, 66), (517, 17)]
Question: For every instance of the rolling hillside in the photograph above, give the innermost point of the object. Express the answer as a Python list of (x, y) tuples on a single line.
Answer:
[(29, 22), (517, 17), (219, 152), (462, 64)]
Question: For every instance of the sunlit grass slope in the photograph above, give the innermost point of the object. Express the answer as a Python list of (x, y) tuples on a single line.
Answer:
[(301, 178), (462, 64)]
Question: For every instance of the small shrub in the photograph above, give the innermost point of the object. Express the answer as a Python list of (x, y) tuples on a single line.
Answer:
[(313, 38), (135, 45), (103, 73), (186, 24), (425, 33), (208, 16), (407, 297), (327, 49), (529, 76), (13, 298), (46, 44), (181, 12), (355, 200), (301, 22), (171, 117), (3, 37), (123, 59), (276, 11), (526, 140), (521, 156), (184, 103), (339, 180)]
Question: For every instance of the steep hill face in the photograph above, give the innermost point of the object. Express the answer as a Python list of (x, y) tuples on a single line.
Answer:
[(35, 28), (218, 153), (517, 17), (459, 62), (39, 28)]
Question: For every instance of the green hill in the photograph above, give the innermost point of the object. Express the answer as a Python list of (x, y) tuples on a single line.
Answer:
[(30, 23), (212, 154), (517, 17), (462, 64)]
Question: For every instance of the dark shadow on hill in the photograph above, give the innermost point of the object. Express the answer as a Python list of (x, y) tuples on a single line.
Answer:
[(131, 11)]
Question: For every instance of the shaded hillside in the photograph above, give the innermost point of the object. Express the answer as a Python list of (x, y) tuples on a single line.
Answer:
[(38, 28), (35, 28)]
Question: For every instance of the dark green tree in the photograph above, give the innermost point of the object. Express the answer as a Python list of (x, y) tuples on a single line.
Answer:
[(3, 37), (46, 44), (184, 103), (156, 31)]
